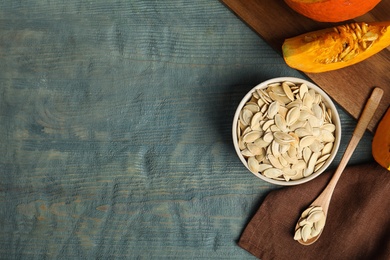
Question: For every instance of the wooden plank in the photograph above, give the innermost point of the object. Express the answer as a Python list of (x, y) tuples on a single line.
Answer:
[(350, 87)]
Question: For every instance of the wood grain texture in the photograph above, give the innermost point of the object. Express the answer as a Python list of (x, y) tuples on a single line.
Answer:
[(274, 21), (115, 129)]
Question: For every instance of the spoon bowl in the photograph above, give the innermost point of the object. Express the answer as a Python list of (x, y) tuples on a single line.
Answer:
[(323, 199)]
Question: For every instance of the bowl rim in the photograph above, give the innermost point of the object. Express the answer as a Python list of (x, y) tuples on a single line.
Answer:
[(335, 118)]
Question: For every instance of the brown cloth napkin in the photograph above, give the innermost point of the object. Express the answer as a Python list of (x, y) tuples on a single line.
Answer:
[(357, 227)]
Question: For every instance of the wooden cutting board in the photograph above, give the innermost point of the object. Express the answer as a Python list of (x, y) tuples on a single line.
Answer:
[(350, 87)]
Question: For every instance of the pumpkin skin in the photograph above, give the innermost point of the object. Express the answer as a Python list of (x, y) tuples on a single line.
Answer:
[(381, 142), (336, 47), (332, 10)]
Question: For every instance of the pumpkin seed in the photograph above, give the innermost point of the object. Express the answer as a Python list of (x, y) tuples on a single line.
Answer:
[(264, 166), (318, 166), (252, 106), (323, 158), (246, 116), (268, 137), (308, 100), (306, 154), (300, 165), (306, 141), (329, 127), (255, 121), (292, 115), (261, 143), (283, 138), (241, 144), (327, 148), (306, 230), (327, 136), (253, 164), (303, 90), (280, 123), (311, 164), (315, 216), (260, 157), (287, 90), (273, 109), (247, 153), (267, 124), (273, 173), (316, 146), (254, 149), (286, 165), (275, 148), (274, 161), (252, 136)]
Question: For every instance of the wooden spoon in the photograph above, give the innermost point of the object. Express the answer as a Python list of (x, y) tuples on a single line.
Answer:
[(323, 199)]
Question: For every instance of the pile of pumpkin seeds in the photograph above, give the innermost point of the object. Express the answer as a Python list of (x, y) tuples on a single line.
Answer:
[(311, 223), (285, 131)]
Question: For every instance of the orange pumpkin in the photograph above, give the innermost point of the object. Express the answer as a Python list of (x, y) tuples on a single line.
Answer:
[(336, 47), (332, 10), (381, 141)]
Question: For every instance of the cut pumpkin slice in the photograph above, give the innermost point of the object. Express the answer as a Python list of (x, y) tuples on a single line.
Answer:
[(336, 47), (381, 142)]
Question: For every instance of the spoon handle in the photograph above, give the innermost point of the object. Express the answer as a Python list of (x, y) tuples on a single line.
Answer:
[(364, 120), (368, 112)]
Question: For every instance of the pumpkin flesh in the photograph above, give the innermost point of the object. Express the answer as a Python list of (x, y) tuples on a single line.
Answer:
[(332, 10), (336, 47), (381, 142)]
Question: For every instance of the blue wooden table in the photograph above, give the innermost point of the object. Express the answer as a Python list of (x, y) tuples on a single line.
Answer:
[(115, 129)]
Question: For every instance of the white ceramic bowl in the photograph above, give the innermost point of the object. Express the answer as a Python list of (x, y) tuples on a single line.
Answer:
[(335, 120)]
